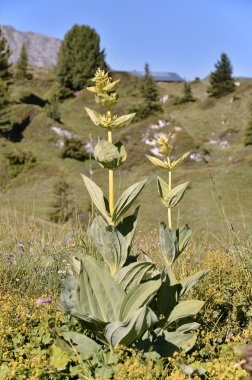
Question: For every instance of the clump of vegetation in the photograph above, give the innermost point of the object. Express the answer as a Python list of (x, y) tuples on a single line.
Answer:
[(248, 131), (151, 100), (62, 204), (4, 70), (187, 96), (74, 148), (221, 80), (52, 108), (79, 57), (4, 57), (4, 98), (124, 300), (22, 65), (18, 160)]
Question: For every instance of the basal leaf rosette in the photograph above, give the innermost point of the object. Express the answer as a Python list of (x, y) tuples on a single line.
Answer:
[(109, 156)]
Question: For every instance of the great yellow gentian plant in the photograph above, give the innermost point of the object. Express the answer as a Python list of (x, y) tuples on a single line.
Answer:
[(122, 300), (169, 197), (109, 156)]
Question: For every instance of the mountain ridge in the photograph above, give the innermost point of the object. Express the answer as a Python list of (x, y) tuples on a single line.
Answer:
[(42, 49)]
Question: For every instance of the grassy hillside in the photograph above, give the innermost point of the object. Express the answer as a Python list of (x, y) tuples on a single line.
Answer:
[(212, 129)]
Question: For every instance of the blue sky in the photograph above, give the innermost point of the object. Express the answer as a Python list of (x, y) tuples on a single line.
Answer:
[(185, 36)]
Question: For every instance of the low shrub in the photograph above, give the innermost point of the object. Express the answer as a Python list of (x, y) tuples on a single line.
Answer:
[(62, 205), (74, 148), (18, 160)]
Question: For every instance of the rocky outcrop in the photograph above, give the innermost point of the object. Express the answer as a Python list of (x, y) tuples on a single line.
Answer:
[(42, 50)]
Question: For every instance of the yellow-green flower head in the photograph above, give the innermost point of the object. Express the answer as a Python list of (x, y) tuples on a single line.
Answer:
[(165, 148), (103, 83), (107, 119)]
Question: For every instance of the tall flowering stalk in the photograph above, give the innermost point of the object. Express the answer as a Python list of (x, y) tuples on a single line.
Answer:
[(122, 300), (169, 197), (109, 156)]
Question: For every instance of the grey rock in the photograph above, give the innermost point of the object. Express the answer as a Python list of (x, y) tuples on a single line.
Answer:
[(42, 50)]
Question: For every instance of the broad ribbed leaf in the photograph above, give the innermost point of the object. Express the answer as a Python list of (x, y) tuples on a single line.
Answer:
[(168, 244), (163, 189), (180, 160), (137, 297), (68, 293), (98, 294), (155, 161), (132, 274), (185, 309), (122, 121), (94, 324), (172, 198), (183, 342), (127, 198), (110, 243), (127, 332), (94, 116), (98, 197), (167, 296), (80, 342), (182, 235), (188, 327), (127, 227), (188, 282)]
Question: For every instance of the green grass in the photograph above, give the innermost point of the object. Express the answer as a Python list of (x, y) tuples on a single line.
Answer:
[(202, 121)]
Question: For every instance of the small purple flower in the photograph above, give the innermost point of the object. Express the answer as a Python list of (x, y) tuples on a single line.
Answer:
[(48, 299), (40, 302), (20, 245), (230, 335)]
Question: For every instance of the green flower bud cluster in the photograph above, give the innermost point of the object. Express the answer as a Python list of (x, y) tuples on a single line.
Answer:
[(107, 154), (104, 89), (165, 149)]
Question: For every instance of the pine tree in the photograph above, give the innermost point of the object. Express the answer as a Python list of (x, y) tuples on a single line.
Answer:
[(3, 93), (4, 58), (188, 96), (149, 92), (4, 70), (221, 80), (248, 131), (52, 107), (79, 57), (149, 88), (22, 65), (62, 204)]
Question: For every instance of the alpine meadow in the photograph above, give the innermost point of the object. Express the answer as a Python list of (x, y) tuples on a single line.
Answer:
[(125, 230)]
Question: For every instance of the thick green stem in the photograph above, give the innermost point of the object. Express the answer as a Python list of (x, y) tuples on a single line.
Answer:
[(169, 187), (111, 180)]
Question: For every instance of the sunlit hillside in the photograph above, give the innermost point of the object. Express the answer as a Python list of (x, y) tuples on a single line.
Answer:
[(213, 129)]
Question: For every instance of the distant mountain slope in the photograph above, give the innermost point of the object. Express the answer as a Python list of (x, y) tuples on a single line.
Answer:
[(42, 50)]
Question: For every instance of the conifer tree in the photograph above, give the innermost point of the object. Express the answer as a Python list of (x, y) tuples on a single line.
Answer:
[(149, 92), (248, 131), (4, 69), (79, 57), (3, 93), (52, 107), (22, 65), (221, 80), (4, 57), (188, 96), (62, 204)]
